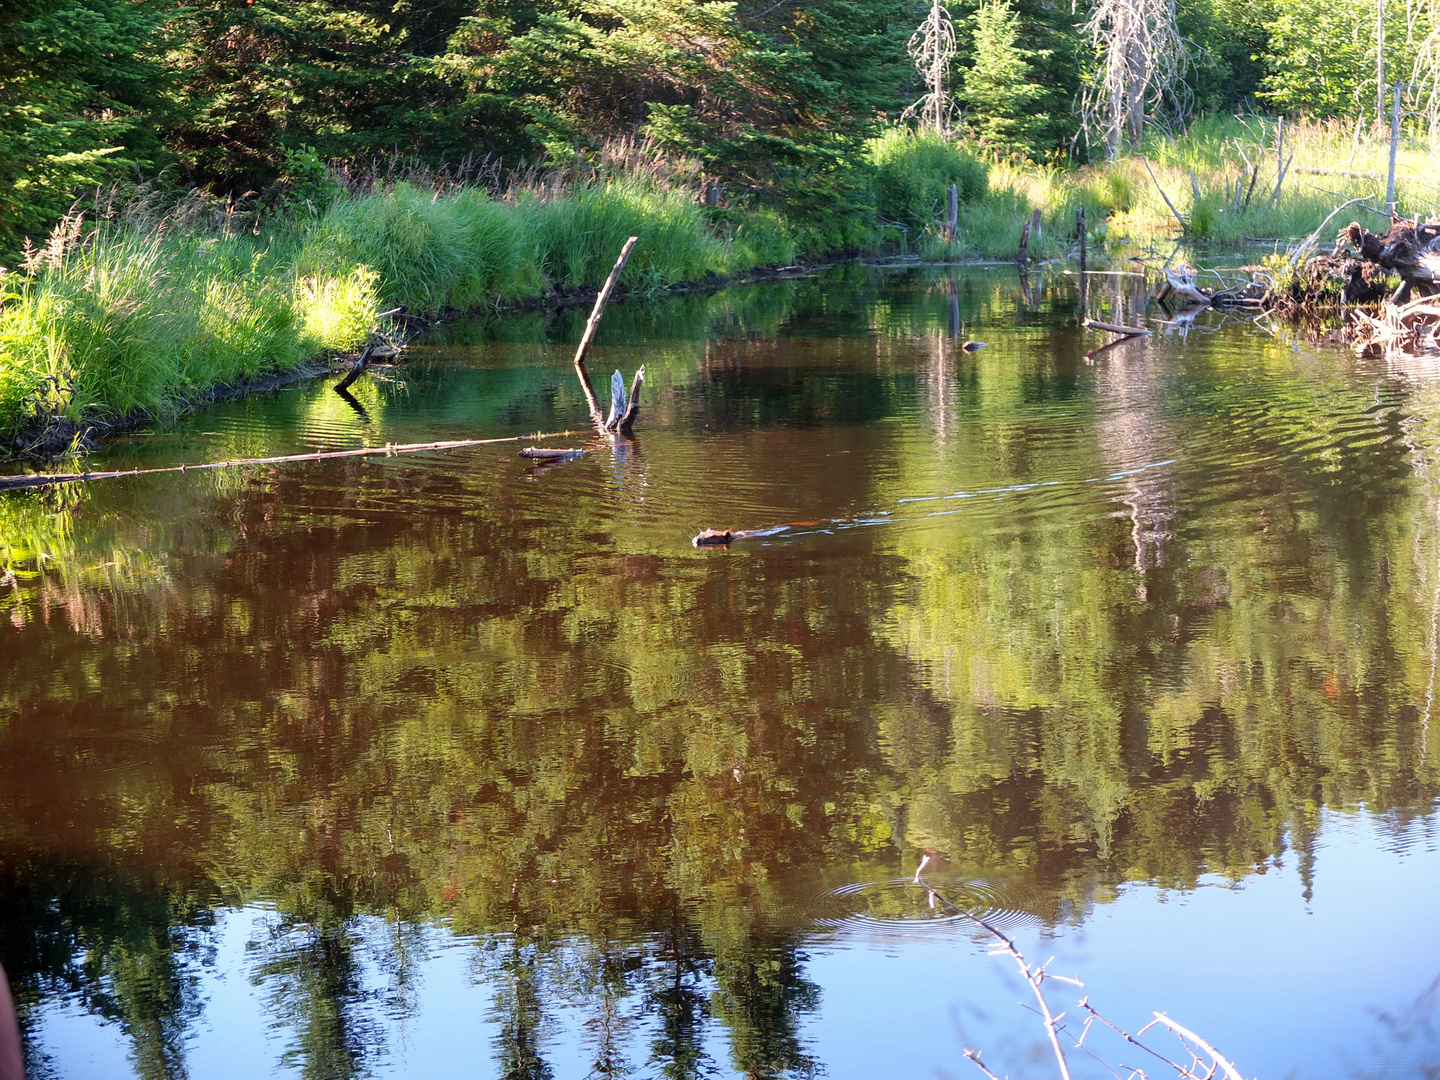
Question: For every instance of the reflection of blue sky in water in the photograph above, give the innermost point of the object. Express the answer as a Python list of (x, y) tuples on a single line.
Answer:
[(901, 1005), (1199, 571)]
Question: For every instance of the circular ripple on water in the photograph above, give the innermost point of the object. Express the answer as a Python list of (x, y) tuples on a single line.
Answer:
[(899, 907)]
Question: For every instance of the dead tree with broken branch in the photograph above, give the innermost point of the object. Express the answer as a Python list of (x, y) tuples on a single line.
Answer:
[(932, 48), (1142, 64)]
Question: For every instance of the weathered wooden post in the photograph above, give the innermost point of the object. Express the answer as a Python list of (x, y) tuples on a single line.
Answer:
[(1031, 229), (1080, 231), (952, 213), (1394, 146)]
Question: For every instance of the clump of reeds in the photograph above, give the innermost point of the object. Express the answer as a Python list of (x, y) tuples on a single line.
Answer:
[(136, 314), (140, 307)]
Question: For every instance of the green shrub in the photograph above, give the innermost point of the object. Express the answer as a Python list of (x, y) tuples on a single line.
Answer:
[(913, 171)]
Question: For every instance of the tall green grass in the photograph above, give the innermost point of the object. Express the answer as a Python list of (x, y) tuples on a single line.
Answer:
[(141, 314), (428, 251)]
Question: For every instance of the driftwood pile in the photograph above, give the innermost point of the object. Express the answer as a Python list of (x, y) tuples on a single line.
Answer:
[(1408, 316)]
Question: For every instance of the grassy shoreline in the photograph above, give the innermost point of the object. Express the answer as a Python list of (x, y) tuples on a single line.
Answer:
[(144, 313)]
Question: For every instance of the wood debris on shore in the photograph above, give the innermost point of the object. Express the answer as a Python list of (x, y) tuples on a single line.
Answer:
[(1385, 287)]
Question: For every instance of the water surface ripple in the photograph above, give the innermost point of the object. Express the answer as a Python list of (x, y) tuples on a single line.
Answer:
[(451, 762)]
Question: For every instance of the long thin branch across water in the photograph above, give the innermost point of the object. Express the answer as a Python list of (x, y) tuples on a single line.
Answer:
[(39, 480)]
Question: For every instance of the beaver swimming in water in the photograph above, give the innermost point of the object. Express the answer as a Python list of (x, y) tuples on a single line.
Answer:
[(721, 537)]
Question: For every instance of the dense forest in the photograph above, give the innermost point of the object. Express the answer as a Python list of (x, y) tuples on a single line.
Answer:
[(771, 99)]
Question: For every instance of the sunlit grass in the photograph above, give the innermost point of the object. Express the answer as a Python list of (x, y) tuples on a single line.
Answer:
[(144, 312), (1328, 164), (137, 317)]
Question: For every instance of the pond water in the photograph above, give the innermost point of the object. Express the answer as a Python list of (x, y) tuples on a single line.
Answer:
[(442, 763)]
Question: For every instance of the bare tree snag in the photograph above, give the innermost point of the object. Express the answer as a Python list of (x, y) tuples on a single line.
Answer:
[(633, 411), (1143, 63), (932, 48), (1394, 146), (593, 323), (1032, 228), (599, 419)]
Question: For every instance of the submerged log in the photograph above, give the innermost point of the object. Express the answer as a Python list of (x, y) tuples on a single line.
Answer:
[(548, 453)]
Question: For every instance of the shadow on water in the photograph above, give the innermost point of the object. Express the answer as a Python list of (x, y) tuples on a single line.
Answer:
[(1141, 621)]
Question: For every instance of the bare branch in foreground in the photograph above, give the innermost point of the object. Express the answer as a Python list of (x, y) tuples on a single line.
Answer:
[(1035, 976)]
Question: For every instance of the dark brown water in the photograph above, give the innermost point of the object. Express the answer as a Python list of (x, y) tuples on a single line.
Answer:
[(440, 764)]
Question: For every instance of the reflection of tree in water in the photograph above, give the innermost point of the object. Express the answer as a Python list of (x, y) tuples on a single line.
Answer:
[(126, 946), (316, 987), (760, 994), (1136, 435), (515, 972), (676, 994)]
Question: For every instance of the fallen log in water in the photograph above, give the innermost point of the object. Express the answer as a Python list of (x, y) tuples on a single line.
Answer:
[(1114, 328), (1182, 284), (375, 350)]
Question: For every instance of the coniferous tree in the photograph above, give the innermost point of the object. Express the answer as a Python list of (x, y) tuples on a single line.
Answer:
[(1006, 103), (81, 93)]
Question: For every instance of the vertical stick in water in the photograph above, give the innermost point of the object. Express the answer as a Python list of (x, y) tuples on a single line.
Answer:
[(952, 213), (602, 300), (1394, 145), (1080, 229)]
